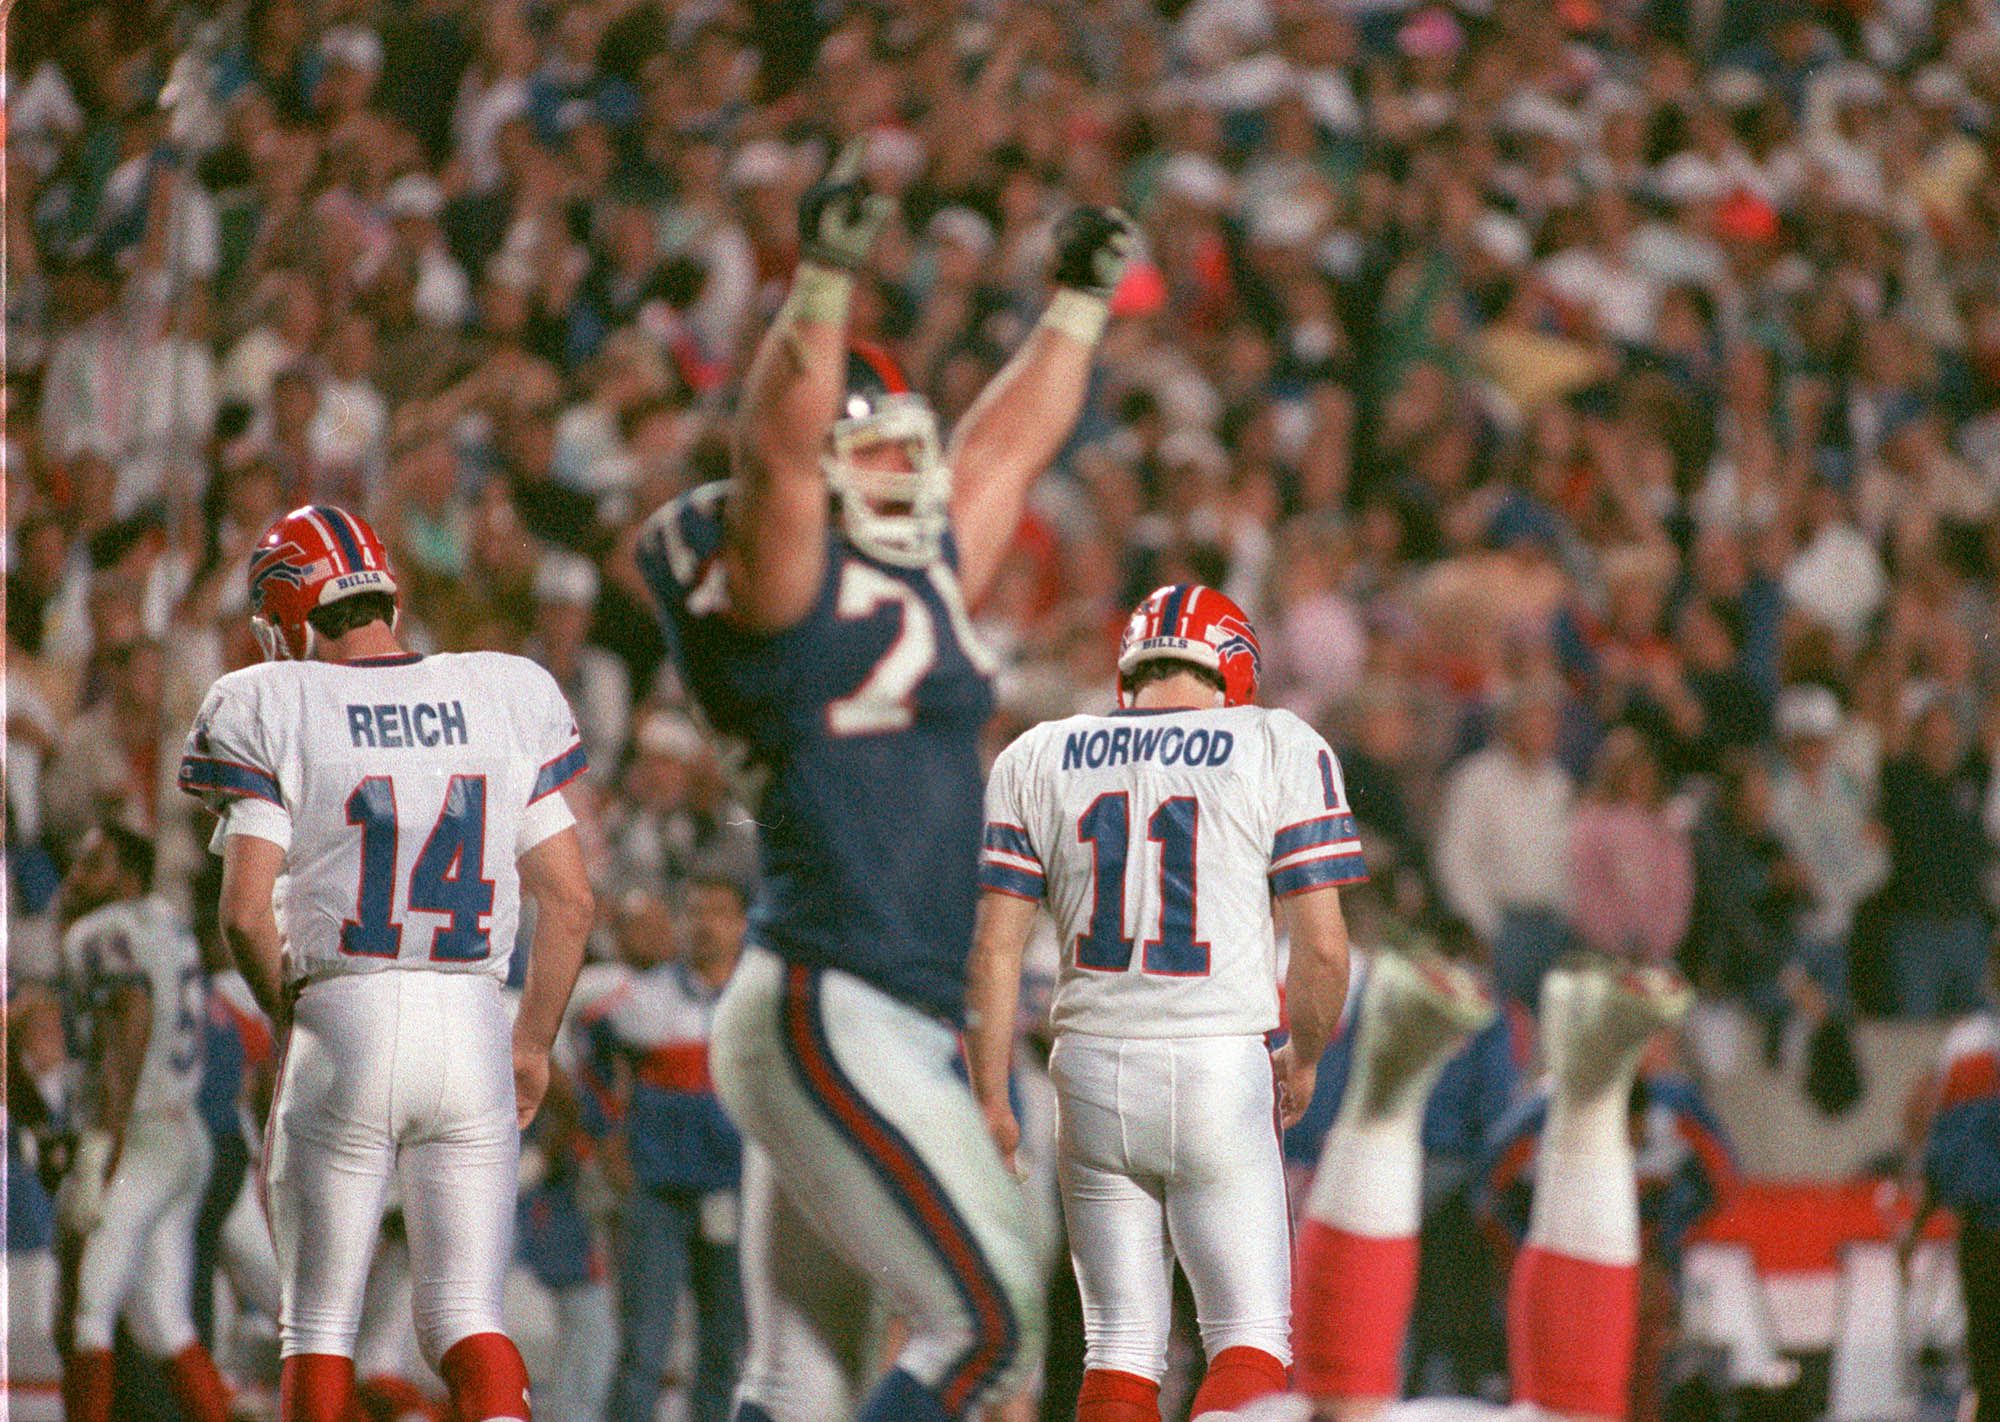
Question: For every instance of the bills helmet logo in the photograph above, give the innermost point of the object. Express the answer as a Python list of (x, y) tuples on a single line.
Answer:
[(286, 563), (1232, 638), (1191, 623)]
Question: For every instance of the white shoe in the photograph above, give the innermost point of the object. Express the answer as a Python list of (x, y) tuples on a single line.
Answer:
[(1597, 1016), (1418, 1008)]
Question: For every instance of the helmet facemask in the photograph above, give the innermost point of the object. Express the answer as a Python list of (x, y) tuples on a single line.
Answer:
[(897, 516), (276, 642)]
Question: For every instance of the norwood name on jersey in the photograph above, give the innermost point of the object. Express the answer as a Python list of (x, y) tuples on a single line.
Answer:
[(1158, 838), (1159, 745)]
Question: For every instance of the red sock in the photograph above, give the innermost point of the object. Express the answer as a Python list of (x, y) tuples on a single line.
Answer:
[(87, 1385), (1350, 1309), (316, 1387), (197, 1386), (487, 1378), (1111, 1396), (1236, 1376), (391, 1399), (1571, 1327)]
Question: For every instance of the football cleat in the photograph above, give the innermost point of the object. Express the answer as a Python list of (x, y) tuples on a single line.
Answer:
[(1597, 1016), (1417, 1009)]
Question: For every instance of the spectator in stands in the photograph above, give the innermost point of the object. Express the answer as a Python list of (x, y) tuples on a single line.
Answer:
[(595, 681), (673, 1153), (1630, 864), (1820, 813), (1748, 892), (674, 806), (1933, 798), (108, 762), (1504, 844)]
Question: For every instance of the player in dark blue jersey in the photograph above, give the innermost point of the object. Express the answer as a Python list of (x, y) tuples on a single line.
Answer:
[(817, 606)]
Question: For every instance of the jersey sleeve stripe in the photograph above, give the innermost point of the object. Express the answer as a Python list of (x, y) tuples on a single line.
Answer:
[(1004, 879), (1327, 829), (204, 775), (1008, 860), (1314, 853), (559, 772), (1330, 872), (1011, 839)]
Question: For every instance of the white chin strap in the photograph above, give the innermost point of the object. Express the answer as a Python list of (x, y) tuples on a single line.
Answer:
[(275, 646)]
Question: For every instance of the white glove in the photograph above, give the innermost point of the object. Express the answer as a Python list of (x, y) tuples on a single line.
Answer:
[(80, 1198)]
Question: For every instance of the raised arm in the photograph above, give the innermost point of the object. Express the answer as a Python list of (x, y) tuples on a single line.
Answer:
[(776, 517), (1315, 992), (1026, 413), (992, 996)]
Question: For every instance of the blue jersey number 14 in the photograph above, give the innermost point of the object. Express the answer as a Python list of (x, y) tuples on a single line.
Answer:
[(449, 876)]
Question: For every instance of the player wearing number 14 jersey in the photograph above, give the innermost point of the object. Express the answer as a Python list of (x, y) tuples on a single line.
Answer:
[(382, 816), (1158, 837)]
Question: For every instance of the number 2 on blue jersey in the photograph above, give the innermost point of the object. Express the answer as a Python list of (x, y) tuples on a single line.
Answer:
[(1106, 827), (449, 876)]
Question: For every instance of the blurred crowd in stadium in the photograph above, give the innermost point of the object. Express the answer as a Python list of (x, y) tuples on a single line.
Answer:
[(1596, 404)]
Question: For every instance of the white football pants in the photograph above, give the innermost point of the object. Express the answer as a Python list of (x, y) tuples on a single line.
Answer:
[(401, 1073), (1168, 1149), (139, 1261)]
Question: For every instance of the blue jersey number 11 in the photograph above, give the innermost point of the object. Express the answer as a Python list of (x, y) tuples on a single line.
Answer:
[(449, 876), (1106, 827)]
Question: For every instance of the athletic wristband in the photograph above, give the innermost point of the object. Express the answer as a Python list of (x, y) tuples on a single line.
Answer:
[(1078, 314), (818, 294)]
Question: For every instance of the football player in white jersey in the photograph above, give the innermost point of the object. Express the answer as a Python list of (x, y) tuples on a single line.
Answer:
[(133, 975), (1158, 836), (383, 813)]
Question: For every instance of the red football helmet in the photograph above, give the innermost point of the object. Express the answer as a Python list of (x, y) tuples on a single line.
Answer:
[(309, 558), (1191, 623)]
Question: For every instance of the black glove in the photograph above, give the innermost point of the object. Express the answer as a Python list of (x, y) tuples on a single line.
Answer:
[(1093, 246), (839, 217)]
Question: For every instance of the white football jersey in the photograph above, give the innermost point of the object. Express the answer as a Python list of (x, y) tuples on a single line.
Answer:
[(1158, 840), (140, 942), (403, 790)]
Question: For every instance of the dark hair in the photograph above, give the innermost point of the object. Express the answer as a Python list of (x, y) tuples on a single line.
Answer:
[(337, 619), (1160, 668), (134, 851)]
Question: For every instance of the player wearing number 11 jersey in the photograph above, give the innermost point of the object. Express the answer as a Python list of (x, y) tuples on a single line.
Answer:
[(1158, 837), (382, 816)]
